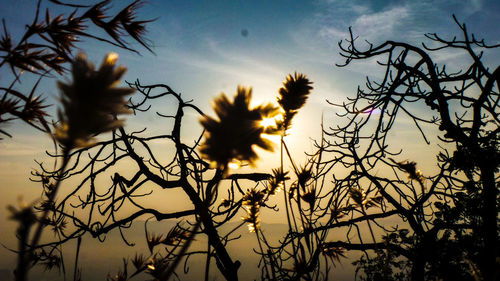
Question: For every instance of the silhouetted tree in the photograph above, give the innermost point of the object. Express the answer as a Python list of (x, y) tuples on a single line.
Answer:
[(442, 225)]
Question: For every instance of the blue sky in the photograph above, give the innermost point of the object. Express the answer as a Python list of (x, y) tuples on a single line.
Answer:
[(201, 51)]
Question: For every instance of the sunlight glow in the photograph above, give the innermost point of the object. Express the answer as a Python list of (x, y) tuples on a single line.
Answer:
[(111, 58), (271, 121), (233, 165), (273, 138), (268, 122), (251, 227)]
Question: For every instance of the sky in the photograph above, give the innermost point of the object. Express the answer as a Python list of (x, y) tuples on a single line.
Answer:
[(204, 48)]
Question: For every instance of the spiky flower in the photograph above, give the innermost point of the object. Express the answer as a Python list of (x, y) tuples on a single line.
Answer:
[(361, 199), (275, 183), (252, 201), (237, 130), (309, 196), (24, 215), (157, 267), (292, 96), (176, 236), (303, 177), (334, 253), (122, 275), (410, 167), (225, 203), (139, 262), (51, 261), (91, 102), (6, 107), (154, 240)]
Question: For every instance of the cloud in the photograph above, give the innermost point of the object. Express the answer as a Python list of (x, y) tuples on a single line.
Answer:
[(405, 21), (382, 23), (473, 6), (223, 60), (365, 23)]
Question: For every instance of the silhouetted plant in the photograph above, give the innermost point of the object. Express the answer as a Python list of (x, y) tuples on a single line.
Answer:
[(91, 104), (46, 47), (407, 225), (444, 223), (238, 130), (186, 169), (292, 96)]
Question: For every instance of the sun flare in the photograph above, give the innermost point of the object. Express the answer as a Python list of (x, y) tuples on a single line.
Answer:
[(268, 122)]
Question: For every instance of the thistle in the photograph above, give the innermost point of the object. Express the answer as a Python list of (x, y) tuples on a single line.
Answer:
[(24, 214), (334, 253), (139, 262), (292, 96), (276, 182), (410, 167), (91, 102), (252, 201), (238, 129)]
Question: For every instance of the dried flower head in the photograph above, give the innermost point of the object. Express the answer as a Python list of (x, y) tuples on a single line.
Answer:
[(176, 236), (34, 109), (292, 96), (154, 240), (237, 130), (252, 218), (157, 267), (304, 175), (58, 226), (275, 183), (91, 102), (139, 262), (309, 196), (358, 195), (7, 106), (24, 215), (410, 167), (362, 199), (252, 201), (334, 253), (52, 261), (225, 203), (122, 275)]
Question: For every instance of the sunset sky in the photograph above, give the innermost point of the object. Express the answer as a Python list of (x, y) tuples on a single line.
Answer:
[(203, 48)]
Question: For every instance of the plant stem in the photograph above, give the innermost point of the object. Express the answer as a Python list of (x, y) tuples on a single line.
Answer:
[(23, 260)]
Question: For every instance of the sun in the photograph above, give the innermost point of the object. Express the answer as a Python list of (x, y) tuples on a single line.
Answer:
[(268, 122)]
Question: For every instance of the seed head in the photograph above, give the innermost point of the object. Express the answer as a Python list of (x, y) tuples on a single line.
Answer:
[(237, 130), (91, 102), (292, 96)]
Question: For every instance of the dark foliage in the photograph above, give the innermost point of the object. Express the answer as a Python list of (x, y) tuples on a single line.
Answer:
[(46, 47)]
